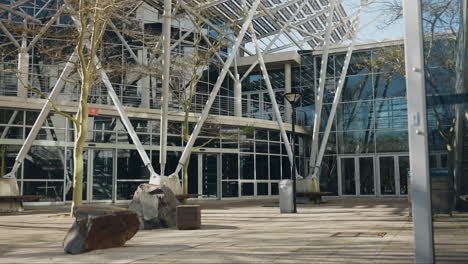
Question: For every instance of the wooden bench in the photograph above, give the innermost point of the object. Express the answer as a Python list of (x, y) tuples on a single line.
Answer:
[(315, 197), (14, 203)]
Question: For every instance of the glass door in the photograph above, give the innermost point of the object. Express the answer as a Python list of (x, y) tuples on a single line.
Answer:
[(209, 171), (403, 167), (102, 174), (387, 175), (366, 176), (348, 176), (69, 175)]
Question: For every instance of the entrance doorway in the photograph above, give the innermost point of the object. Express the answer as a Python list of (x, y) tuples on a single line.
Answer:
[(98, 170), (357, 175), (204, 174), (378, 175)]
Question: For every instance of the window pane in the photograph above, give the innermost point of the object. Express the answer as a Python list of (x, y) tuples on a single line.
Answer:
[(230, 189), (247, 189), (392, 140), (130, 165), (230, 166), (262, 188), (44, 163), (53, 191), (355, 116), (275, 167), (247, 166), (125, 190), (352, 142), (262, 166)]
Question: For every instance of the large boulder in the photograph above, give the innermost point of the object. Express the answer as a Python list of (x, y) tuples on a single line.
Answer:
[(99, 228), (172, 182), (155, 206)]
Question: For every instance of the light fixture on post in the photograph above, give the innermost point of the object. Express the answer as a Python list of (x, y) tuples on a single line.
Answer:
[(293, 98)]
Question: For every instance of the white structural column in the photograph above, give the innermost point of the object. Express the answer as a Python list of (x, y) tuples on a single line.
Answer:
[(287, 89), (417, 133), (338, 92), (165, 83), (69, 66), (217, 86), (320, 91), (237, 92), (23, 69), (143, 84), (271, 93)]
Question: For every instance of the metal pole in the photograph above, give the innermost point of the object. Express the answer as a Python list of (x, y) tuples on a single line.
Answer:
[(293, 168), (287, 89), (417, 133), (165, 84)]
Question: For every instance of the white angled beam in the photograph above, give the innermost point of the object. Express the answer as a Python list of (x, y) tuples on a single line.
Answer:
[(277, 36), (338, 93), (217, 86), (125, 119), (122, 39), (271, 93), (69, 66), (320, 92), (154, 177), (45, 28), (165, 83)]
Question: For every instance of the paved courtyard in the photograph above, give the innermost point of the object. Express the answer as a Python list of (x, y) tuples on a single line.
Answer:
[(234, 232)]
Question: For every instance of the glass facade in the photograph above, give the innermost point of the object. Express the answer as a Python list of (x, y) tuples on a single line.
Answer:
[(444, 27), (370, 122), (240, 162)]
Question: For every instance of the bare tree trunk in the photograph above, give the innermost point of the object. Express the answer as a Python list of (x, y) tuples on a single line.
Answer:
[(81, 134)]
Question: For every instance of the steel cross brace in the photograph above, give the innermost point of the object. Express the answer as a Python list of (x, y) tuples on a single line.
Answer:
[(217, 86)]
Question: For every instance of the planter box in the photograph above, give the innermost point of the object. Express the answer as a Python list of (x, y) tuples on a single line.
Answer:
[(188, 217)]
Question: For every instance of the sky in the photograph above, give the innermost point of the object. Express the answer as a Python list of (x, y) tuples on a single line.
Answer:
[(372, 21)]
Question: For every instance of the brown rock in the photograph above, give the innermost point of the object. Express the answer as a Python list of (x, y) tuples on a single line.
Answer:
[(99, 228)]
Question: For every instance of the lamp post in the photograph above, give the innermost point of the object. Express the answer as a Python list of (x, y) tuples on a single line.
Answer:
[(293, 99)]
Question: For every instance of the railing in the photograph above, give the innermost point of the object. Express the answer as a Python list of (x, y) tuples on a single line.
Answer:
[(135, 96)]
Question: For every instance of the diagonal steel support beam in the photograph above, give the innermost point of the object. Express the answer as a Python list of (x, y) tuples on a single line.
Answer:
[(338, 93), (45, 28), (217, 86), (122, 39), (69, 66), (320, 92), (9, 35), (271, 93), (20, 14), (214, 27), (277, 36), (154, 177)]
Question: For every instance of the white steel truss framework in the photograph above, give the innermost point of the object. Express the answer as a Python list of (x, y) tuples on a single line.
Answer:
[(268, 26)]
